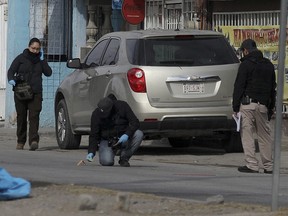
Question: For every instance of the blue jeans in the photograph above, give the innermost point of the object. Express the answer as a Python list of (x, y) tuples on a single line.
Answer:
[(106, 154)]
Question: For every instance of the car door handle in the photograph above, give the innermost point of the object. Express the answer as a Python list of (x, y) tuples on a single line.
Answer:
[(89, 78)]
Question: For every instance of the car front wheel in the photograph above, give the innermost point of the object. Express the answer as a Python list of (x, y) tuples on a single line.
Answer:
[(64, 135)]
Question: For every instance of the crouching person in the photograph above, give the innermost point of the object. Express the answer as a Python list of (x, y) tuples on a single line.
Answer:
[(114, 131)]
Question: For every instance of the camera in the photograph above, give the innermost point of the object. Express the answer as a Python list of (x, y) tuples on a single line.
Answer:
[(112, 141), (19, 78), (115, 145)]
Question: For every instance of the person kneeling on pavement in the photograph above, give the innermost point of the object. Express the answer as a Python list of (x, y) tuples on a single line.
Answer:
[(114, 131)]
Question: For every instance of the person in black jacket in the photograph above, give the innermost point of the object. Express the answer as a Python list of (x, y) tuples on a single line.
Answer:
[(113, 124), (254, 98), (29, 66)]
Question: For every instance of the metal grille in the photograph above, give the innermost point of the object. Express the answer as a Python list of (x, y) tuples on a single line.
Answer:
[(190, 14), (154, 14), (47, 22), (257, 18), (175, 14)]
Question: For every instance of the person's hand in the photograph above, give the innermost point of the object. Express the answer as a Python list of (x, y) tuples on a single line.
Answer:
[(270, 114), (90, 157), (41, 54), (234, 114), (12, 82), (123, 139)]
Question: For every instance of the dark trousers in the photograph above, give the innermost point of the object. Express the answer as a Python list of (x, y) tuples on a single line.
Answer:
[(106, 154), (32, 108)]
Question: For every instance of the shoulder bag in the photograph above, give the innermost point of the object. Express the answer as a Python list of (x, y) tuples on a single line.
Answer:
[(23, 90)]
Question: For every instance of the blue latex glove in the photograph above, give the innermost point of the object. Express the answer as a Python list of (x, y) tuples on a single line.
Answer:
[(123, 139), (90, 157), (12, 82), (41, 54)]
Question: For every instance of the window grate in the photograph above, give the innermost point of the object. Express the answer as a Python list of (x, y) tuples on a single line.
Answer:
[(255, 18), (49, 21)]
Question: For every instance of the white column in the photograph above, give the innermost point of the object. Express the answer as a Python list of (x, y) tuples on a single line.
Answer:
[(3, 59), (107, 27), (91, 29)]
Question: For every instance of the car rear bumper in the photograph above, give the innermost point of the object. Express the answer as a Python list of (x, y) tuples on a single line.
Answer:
[(187, 126)]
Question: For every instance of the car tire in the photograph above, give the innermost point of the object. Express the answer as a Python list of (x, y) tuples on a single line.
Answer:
[(64, 135), (177, 142), (233, 143)]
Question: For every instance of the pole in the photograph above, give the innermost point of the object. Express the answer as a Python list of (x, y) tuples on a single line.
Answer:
[(278, 122)]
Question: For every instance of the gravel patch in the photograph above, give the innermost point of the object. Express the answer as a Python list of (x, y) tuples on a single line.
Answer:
[(72, 200)]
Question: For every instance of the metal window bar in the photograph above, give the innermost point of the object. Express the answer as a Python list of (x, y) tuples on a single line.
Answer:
[(47, 22), (154, 14), (170, 14), (246, 18)]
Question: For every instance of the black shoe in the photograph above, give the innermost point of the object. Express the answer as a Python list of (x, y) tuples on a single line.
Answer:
[(33, 146), (124, 163), (268, 172), (246, 170)]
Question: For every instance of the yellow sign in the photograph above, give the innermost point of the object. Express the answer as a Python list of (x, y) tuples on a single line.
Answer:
[(266, 38)]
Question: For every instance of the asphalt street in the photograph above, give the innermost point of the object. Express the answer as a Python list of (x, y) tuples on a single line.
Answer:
[(192, 173)]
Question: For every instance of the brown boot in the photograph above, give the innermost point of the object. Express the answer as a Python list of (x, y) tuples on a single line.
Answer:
[(33, 146), (20, 146)]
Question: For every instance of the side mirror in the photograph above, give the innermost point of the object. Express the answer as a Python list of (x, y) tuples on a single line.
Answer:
[(74, 63)]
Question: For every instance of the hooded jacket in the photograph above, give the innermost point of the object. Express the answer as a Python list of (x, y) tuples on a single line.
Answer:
[(28, 66), (256, 79), (122, 120)]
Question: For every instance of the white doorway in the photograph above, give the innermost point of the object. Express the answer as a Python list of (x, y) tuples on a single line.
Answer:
[(3, 59)]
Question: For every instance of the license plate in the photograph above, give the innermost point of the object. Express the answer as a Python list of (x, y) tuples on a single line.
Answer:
[(193, 88)]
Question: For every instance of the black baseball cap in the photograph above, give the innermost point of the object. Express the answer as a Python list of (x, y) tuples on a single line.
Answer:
[(248, 44), (105, 106)]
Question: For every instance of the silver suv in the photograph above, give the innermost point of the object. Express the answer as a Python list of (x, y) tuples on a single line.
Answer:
[(178, 83)]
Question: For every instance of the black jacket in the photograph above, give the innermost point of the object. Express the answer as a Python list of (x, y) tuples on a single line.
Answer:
[(30, 68), (121, 121), (256, 79)]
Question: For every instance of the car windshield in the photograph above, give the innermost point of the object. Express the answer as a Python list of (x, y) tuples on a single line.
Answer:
[(180, 51)]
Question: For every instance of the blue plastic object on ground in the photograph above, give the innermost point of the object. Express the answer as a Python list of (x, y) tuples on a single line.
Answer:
[(13, 188)]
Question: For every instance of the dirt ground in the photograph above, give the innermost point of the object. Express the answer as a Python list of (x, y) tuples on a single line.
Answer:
[(72, 200)]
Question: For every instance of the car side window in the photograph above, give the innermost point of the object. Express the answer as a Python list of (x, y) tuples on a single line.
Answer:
[(111, 55), (96, 54)]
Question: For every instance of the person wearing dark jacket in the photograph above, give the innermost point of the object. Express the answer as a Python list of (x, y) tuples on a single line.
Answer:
[(29, 67), (254, 99), (113, 124)]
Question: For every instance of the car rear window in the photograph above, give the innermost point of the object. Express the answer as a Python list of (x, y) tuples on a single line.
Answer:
[(180, 51)]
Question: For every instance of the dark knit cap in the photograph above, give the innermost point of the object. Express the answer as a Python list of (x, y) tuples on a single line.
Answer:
[(105, 106), (248, 44)]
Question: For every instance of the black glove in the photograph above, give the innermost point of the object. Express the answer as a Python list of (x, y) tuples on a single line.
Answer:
[(270, 114)]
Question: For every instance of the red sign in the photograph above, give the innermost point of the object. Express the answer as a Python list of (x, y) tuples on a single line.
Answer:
[(133, 11)]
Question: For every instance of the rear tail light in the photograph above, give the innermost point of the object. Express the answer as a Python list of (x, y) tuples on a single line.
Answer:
[(136, 79)]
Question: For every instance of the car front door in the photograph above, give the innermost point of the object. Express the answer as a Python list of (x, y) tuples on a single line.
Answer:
[(82, 105), (101, 84)]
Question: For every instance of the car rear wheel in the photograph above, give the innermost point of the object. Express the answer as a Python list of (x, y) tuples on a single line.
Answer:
[(233, 142), (64, 135)]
